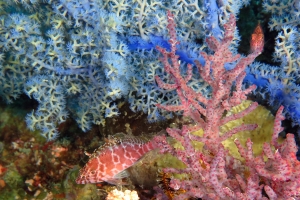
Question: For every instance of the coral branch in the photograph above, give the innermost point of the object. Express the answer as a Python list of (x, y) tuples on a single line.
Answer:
[(213, 173)]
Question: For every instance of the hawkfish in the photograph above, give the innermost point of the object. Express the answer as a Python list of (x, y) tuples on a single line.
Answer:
[(257, 39), (109, 162)]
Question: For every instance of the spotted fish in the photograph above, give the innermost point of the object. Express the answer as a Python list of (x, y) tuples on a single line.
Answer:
[(110, 161), (257, 39)]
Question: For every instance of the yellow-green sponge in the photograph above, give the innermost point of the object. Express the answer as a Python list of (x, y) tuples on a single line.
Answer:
[(263, 133)]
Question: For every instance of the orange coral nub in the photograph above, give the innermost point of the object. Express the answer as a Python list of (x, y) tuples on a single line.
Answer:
[(257, 39)]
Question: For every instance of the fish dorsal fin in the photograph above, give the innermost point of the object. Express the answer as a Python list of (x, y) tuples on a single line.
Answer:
[(134, 140), (109, 142), (117, 139)]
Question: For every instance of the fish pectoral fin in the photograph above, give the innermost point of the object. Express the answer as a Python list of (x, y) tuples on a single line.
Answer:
[(117, 179), (122, 174), (118, 182)]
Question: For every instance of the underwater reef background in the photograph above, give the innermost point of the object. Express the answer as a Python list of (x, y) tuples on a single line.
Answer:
[(75, 74)]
